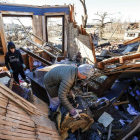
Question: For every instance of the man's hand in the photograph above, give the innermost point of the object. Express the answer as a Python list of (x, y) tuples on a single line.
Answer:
[(75, 113), (11, 71), (23, 65)]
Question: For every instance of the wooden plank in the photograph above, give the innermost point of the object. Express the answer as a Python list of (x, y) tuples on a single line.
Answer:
[(14, 98), (3, 100), (31, 66), (116, 59), (47, 131), (17, 125), (48, 135), (2, 111), (15, 95), (132, 41), (3, 97), (3, 104), (18, 107), (16, 13), (12, 133), (9, 128), (18, 118), (44, 61), (14, 104), (132, 66), (2, 35), (93, 49), (52, 14), (18, 115), (17, 110), (138, 50), (29, 124), (120, 103), (14, 137)]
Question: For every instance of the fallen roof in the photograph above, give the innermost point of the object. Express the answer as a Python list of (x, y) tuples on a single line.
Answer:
[(17, 124)]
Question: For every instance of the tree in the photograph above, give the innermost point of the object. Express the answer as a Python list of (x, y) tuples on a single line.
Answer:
[(101, 22), (85, 17)]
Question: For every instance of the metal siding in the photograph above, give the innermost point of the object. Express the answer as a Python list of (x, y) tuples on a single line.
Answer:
[(56, 10), (36, 11)]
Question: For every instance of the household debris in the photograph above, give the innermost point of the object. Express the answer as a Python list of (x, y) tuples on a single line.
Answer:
[(106, 115)]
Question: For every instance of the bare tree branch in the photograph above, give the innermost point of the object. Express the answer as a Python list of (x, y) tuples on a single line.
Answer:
[(85, 17)]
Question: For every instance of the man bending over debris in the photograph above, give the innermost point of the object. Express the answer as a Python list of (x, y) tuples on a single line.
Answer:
[(14, 59), (60, 80)]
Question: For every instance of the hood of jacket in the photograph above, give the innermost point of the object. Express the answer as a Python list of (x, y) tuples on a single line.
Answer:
[(11, 44)]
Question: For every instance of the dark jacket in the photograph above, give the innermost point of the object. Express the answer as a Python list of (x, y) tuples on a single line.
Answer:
[(15, 59), (59, 81)]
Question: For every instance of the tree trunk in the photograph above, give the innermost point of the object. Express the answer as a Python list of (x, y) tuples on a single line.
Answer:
[(85, 17), (100, 33)]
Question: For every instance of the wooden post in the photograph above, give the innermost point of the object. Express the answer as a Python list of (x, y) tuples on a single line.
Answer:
[(121, 59), (93, 49), (38, 28), (81, 30), (2, 35), (31, 63)]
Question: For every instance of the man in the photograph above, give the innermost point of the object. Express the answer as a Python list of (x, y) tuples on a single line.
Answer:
[(14, 62), (60, 80)]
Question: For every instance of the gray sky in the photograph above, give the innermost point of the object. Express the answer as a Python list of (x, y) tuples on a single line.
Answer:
[(129, 9)]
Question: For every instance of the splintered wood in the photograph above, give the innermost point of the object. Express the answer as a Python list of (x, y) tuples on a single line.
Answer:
[(120, 63), (16, 121)]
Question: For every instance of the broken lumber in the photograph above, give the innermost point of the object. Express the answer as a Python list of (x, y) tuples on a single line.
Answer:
[(36, 57), (93, 49), (120, 59), (30, 108), (120, 103), (132, 41)]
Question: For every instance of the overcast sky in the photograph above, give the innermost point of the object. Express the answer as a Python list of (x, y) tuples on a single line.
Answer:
[(125, 9)]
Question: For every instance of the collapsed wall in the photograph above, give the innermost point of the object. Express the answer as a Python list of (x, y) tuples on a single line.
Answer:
[(79, 43)]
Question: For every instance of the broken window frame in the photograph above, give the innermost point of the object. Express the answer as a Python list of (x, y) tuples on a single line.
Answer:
[(63, 28)]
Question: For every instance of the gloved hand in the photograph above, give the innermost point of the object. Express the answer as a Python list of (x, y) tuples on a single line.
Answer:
[(71, 94), (75, 113), (11, 71), (23, 65)]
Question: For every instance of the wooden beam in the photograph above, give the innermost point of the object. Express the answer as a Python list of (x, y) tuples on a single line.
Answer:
[(54, 14), (2, 136), (12, 133), (19, 126), (37, 57), (93, 49), (17, 130), (120, 103), (118, 59), (31, 66), (2, 35), (17, 13), (132, 41)]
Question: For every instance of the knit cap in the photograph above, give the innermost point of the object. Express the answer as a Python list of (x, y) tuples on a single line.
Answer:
[(86, 70)]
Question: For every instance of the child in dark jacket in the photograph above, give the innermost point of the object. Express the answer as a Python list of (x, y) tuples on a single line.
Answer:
[(14, 62)]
